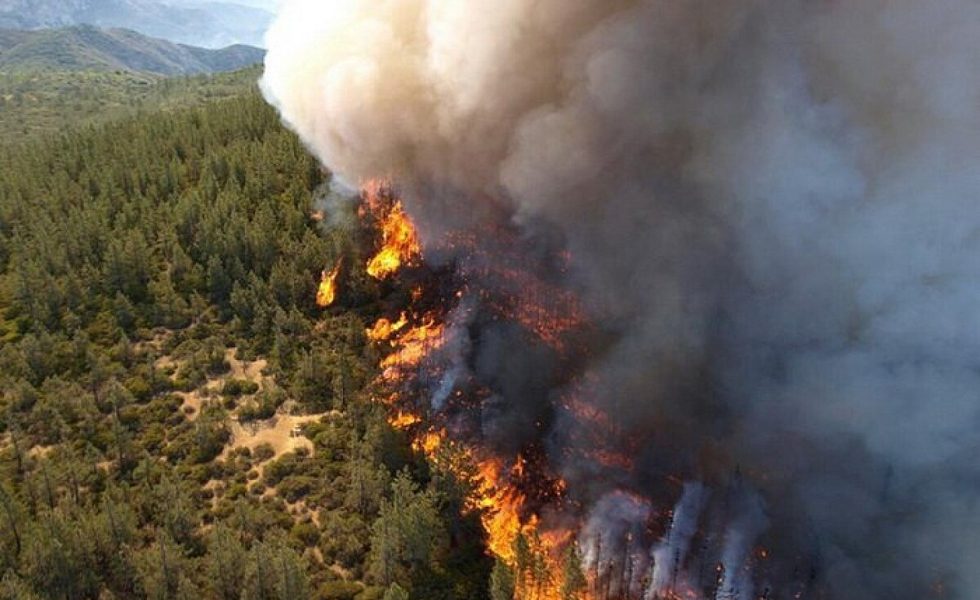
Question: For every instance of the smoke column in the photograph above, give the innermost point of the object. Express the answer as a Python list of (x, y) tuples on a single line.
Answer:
[(773, 205)]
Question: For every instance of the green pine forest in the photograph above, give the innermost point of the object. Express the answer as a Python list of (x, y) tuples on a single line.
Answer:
[(35, 103), (158, 268)]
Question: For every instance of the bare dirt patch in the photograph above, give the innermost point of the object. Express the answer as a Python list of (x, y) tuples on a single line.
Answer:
[(280, 432), (192, 402)]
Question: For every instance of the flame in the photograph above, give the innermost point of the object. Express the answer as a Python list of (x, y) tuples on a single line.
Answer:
[(326, 294), (399, 240), (384, 329), (499, 495), (501, 504), (403, 420), (430, 441), (543, 309), (414, 345)]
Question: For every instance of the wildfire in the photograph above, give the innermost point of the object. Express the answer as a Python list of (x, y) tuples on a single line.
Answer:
[(384, 328), (502, 505), (546, 310), (414, 345), (399, 240), (429, 442), (403, 420), (500, 501), (505, 489), (326, 294)]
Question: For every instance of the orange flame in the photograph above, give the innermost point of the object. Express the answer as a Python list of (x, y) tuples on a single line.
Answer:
[(429, 442), (402, 420), (384, 328), (399, 240), (498, 496), (414, 345), (326, 294), (502, 510)]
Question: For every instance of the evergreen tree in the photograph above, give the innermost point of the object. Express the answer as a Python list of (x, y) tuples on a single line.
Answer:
[(573, 579), (501, 581), (227, 560), (408, 535)]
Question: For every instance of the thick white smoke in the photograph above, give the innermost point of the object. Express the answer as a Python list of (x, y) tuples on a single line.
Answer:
[(773, 201)]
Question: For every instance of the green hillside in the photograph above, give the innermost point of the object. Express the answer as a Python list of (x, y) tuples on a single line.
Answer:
[(33, 104), (159, 346), (86, 48)]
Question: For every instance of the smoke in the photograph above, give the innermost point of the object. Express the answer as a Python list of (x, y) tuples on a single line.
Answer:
[(668, 554), (772, 206), (608, 540), (749, 521)]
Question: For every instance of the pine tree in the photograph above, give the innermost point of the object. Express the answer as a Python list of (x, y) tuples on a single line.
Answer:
[(227, 560), (408, 535), (501, 581), (574, 583)]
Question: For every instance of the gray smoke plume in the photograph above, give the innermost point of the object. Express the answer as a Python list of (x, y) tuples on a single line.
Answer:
[(669, 554), (610, 542), (772, 204)]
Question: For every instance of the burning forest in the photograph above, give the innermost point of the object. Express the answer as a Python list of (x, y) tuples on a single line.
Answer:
[(561, 495), (689, 285)]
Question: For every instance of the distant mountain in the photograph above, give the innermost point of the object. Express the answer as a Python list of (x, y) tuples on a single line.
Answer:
[(87, 48), (269, 6), (205, 23)]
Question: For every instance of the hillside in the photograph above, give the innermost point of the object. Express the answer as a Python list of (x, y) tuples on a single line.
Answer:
[(196, 22), (178, 419), (34, 104), (87, 48)]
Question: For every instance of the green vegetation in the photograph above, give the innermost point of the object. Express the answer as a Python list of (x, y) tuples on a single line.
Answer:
[(36, 103), (157, 282), (87, 48)]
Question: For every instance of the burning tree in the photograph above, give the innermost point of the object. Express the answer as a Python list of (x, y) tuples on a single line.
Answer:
[(547, 543)]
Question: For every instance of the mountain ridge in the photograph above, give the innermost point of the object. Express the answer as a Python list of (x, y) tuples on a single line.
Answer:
[(88, 48), (206, 23)]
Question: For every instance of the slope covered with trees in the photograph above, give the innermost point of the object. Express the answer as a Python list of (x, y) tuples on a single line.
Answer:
[(87, 48), (177, 417), (36, 103)]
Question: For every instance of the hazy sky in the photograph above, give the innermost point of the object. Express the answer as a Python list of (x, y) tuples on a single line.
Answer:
[(269, 5)]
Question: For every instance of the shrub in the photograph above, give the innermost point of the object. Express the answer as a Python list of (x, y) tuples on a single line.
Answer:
[(306, 533), (239, 387), (339, 590), (295, 488), (263, 452)]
